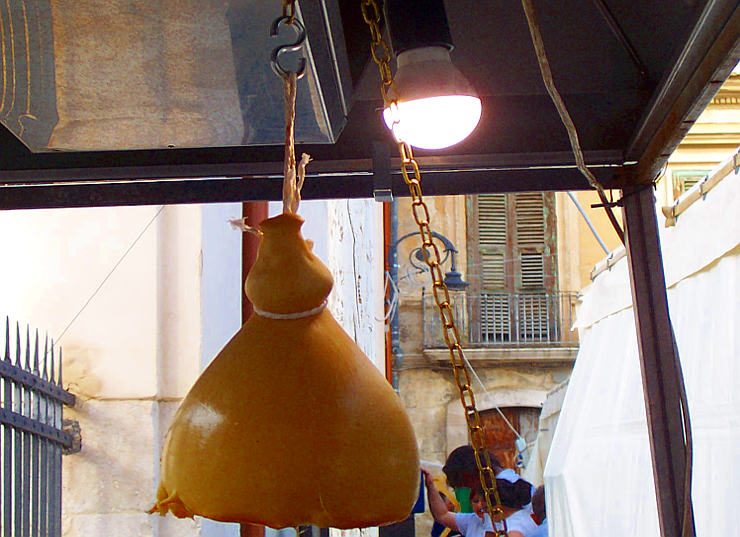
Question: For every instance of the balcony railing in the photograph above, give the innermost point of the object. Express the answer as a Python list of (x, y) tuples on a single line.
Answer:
[(505, 319)]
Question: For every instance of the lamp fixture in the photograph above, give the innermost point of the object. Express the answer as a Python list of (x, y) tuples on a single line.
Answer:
[(436, 106), (453, 279)]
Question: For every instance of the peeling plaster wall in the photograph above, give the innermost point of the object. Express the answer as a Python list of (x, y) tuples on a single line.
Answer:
[(355, 258)]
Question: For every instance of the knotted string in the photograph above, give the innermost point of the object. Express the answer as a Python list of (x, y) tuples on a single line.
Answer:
[(293, 178)]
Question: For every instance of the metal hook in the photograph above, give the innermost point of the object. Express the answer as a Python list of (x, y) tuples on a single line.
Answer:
[(289, 47)]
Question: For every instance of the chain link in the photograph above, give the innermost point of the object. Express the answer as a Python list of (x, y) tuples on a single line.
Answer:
[(412, 177), (289, 10), (379, 49)]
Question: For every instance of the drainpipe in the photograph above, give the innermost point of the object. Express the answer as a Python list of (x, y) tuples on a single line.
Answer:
[(396, 351), (254, 212)]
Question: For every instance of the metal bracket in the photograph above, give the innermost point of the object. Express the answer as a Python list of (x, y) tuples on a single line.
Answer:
[(382, 182)]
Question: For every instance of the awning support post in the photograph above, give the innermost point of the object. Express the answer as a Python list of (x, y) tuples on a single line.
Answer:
[(661, 370)]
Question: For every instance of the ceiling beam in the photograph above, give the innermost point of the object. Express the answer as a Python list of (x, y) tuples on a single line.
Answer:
[(711, 52), (329, 186)]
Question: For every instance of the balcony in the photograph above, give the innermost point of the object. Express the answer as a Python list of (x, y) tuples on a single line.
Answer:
[(506, 327)]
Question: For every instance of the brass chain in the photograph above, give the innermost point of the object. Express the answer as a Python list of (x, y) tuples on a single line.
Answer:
[(289, 10), (430, 251), (379, 48)]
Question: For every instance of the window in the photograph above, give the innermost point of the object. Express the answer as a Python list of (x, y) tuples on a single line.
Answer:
[(683, 180), (512, 264)]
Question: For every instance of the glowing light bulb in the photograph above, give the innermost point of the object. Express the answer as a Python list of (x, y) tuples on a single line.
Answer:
[(434, 122), (436, 107)]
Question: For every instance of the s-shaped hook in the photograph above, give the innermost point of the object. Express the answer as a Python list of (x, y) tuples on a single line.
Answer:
[(289, 47)]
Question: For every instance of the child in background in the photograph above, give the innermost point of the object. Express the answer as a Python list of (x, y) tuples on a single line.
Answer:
[(475, 524), (438, 530), (540, 513), (514, 497)]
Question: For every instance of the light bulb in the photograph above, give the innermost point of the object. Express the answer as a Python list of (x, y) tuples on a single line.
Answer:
[(435, 107), (434, 122)]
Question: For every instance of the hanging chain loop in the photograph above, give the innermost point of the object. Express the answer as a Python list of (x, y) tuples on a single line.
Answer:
[(412, 177)]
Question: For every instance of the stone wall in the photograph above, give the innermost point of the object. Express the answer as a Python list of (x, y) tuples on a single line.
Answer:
[(432, 399)]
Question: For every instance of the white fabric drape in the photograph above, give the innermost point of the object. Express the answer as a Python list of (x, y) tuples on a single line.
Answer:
[(598, 475)]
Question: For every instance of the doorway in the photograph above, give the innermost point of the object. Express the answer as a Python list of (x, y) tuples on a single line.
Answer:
[(499, 436)]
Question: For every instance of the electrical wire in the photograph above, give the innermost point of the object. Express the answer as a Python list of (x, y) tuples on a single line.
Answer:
[(390, 288), (110, 273), (580, 163), (557, 99), (486, 391)]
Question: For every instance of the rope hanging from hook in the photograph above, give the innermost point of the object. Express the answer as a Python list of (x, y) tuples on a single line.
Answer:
[(293, 175)]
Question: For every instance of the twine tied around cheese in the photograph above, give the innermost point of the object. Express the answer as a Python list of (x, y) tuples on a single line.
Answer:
[(290, 316)]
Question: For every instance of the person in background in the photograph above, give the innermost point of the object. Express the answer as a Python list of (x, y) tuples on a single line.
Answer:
[(475, 524), (514, 497), (462, 473), (452, 505), (539, 514)]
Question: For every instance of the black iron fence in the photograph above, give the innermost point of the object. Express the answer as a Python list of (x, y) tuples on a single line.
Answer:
[(31, 436), (506, 319)]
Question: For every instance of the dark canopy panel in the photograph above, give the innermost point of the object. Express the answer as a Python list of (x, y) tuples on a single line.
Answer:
[(129, 103)]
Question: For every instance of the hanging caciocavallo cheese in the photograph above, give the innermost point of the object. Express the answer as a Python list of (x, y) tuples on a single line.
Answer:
[(291, 424)]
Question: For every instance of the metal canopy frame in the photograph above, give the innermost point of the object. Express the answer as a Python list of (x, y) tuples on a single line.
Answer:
[(701, 60)]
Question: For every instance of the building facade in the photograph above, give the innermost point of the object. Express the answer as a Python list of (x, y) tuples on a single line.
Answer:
[(525, 257)]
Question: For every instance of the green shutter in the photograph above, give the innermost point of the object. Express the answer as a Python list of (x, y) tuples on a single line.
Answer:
[(492, 240), (530, 220), (529, 247)]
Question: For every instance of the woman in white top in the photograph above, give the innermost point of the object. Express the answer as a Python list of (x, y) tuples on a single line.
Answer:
[(514, 497)]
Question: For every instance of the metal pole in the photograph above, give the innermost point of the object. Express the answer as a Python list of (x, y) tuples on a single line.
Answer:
[(393, 273), (588, 223), (661, 370)]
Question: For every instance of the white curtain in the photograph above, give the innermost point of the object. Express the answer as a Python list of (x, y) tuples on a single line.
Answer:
[(598, 476)]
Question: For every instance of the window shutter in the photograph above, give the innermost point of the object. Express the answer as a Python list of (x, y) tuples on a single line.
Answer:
[(530, 240), (492, 240), (530, 220), (683, 180)]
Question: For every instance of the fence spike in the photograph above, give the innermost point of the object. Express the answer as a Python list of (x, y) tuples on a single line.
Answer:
[(7, 339), (60, 366), (17, 343), (51, 378), (36, 354), (28, 348), (45, 372)]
